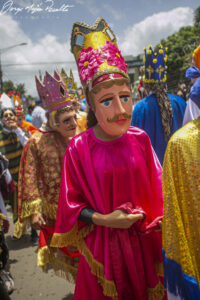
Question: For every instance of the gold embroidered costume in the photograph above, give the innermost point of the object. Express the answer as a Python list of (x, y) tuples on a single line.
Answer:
[(38, 191), (181, 222)]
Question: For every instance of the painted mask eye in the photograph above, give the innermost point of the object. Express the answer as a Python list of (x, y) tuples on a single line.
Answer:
[(67, 121), (106, 103), (124, 99), (5, 116)]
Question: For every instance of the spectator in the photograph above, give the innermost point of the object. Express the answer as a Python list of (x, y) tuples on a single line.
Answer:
[(28, 117), (12, 141), (38, 114)]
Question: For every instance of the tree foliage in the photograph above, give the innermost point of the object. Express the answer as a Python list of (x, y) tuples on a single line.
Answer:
[(180, 49), (197, 17), (9, 86)]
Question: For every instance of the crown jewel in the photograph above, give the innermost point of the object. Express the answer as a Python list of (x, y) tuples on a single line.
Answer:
[(53, 92), (96, 52), (155, 64)]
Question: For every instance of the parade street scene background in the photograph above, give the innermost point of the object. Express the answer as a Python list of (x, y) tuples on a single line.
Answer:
[(99, 149)]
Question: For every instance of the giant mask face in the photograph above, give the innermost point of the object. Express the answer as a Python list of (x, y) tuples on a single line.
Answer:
[(64, 123), (9, 119), (113, 109)]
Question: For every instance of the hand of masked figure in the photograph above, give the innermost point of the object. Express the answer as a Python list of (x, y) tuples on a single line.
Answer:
[(117, 219), (37, 221), (13, 124)]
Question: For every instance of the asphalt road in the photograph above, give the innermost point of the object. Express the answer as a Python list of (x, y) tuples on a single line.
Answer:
[(31, 283)]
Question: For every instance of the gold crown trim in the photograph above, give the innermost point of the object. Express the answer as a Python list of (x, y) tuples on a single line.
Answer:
[(154, 81), (57, 103), (93, 27), (98, 20)]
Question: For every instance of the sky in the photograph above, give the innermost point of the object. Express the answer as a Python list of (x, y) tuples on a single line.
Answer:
[(45, 25)]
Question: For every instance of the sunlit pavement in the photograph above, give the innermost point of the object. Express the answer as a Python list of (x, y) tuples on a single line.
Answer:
[(30, 282)]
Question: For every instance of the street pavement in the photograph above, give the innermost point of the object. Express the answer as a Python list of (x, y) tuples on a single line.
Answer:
[(31, 283)]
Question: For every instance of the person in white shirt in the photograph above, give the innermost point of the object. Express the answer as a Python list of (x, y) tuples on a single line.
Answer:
[(38, 115)]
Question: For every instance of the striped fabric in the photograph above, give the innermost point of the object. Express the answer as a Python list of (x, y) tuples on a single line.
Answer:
[(11, 147)]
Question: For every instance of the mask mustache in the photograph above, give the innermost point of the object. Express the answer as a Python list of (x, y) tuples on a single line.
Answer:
[(119, 117)]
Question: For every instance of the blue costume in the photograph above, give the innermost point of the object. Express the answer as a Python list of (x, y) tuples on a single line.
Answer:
[(146, 115), (28, 118)]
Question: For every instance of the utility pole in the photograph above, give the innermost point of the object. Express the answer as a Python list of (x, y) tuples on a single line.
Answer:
[(1, 71), (1, 76)]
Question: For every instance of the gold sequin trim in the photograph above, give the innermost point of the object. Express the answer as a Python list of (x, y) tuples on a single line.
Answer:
[(181, 191), (75, 237), (46, 257), (19, 230), (31, 207)]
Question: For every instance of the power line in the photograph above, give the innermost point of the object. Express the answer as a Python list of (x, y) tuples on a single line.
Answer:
[(39, 63)]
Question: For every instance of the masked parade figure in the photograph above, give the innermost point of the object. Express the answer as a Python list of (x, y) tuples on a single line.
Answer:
[(73, 92), (12, 141), (181, 224), (110, 201), (160, 114), (40, 173)]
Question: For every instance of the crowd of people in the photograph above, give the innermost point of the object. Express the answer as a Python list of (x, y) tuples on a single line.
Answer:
[(111, 188)]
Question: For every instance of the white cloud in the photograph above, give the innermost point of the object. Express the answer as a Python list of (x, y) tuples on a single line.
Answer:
[(154, 28), (117, 15), (90, 4), (48, 51), (25, 3), (10, 32)]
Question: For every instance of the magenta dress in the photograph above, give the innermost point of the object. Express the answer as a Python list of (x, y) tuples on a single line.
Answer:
[(124, 173)]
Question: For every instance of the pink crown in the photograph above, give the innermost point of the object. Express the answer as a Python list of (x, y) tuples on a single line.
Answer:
[(52, 92)]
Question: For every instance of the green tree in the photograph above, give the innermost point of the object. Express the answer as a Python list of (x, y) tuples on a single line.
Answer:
[(197, 17), (20, 88), (9, 86), (180, 49)]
